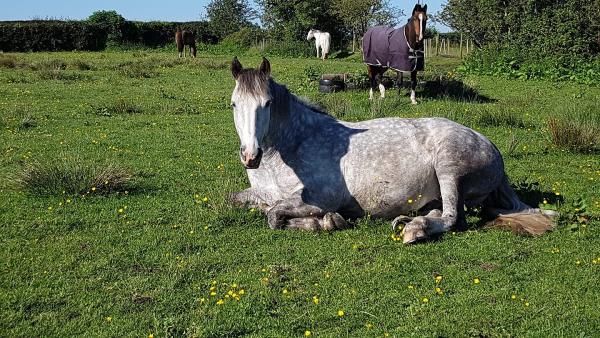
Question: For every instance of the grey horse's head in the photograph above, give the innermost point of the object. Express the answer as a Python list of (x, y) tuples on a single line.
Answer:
[(251, 102), (311, 34)]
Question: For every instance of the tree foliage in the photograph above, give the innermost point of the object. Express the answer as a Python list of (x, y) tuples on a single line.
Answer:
[(229, 16), (540, 26), (112, 22)]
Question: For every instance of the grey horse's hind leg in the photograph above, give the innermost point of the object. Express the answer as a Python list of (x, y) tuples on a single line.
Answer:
[(453, 213), (293, 213)]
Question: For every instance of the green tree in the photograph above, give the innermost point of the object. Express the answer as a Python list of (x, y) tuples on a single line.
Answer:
[(292, 19), (229, 16), (358, 15), (112, 22)]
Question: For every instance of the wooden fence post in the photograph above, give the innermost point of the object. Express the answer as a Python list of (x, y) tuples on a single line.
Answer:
[(461, 54), (437, 45)]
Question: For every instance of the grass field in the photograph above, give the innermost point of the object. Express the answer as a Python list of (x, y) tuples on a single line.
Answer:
[(163, 254)]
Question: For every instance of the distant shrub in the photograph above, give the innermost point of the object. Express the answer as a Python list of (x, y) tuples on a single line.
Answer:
[(51, 64), (72, 176), (81, 65), (60, 75), (118, 106), (10, 61), (292, 49), (137, 70), (499, 118), (245, 37), (577, 136), (28, 121)]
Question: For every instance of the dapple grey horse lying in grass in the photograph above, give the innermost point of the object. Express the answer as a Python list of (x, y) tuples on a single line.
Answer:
[(309, 171)]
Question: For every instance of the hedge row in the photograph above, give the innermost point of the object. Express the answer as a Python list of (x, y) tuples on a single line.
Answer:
[(51, 35), (22, 36)]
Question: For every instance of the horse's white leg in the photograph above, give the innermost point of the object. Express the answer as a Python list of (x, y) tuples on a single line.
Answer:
[(371, 94), (293, 213), (250, 198), (453, 212), (413, 86), (382, 90)]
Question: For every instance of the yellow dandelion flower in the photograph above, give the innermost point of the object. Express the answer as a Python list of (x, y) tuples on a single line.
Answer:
[(410, 201), (205, 199), (578, 262), (369, 325), (526, 303), (513, 296), (93, 188), (242, 292), (476, 281), (234, 285), (438, 278), (120, 210), (220, 302), (315, 299), (285, 291), (439, 291), (386, 334), (108, 319), (410, 286), (341, 313), (425, 300), (213, 293), (307, 333), (213, 288), (151, 336)]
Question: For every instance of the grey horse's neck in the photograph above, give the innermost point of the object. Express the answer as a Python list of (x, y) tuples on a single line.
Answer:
[(292, 120)]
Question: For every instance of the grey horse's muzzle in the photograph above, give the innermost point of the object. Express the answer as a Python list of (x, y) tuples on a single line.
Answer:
[(251, 163)]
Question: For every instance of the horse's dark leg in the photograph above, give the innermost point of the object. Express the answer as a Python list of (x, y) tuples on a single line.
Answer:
[(193, 49), (413, 87), (293, 213), (399, 81)]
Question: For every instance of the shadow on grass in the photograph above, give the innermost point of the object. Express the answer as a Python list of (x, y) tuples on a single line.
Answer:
[(451, 89)]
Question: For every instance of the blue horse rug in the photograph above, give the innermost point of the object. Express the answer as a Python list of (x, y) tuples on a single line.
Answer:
[(387, 47)]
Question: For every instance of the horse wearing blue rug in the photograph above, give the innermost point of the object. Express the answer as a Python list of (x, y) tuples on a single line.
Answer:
[(398, 49)]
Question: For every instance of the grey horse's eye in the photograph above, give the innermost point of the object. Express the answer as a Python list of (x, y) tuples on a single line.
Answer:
[(233, 104), (268, 103)]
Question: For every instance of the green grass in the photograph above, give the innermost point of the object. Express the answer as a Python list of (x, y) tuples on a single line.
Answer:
[(142, 261)]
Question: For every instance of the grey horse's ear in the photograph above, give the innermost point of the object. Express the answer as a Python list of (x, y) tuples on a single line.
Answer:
[(265, 67), (425, 8), (236, 67)]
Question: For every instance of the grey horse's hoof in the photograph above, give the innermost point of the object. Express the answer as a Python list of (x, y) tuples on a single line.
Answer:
[(332, 221), (414, 231), (412, 236), (400, 220)]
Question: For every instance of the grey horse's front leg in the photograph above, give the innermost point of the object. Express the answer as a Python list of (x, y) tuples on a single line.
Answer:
[(250, 198), (437, 222), (293, 213)]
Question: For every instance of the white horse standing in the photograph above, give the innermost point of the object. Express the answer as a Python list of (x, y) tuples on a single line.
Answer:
[(308, 170), (322, 40)]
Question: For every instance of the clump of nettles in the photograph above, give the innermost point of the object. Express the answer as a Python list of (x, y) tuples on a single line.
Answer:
[(72, 176)]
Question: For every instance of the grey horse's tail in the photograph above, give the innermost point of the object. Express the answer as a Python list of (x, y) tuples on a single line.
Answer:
[(510, 213)]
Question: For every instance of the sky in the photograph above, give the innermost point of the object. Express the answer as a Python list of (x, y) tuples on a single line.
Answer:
[(141, 10)]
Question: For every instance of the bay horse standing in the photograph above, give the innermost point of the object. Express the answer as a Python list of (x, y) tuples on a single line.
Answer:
[(399, 49), (185, 38), (322, 41), (308, 170)]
